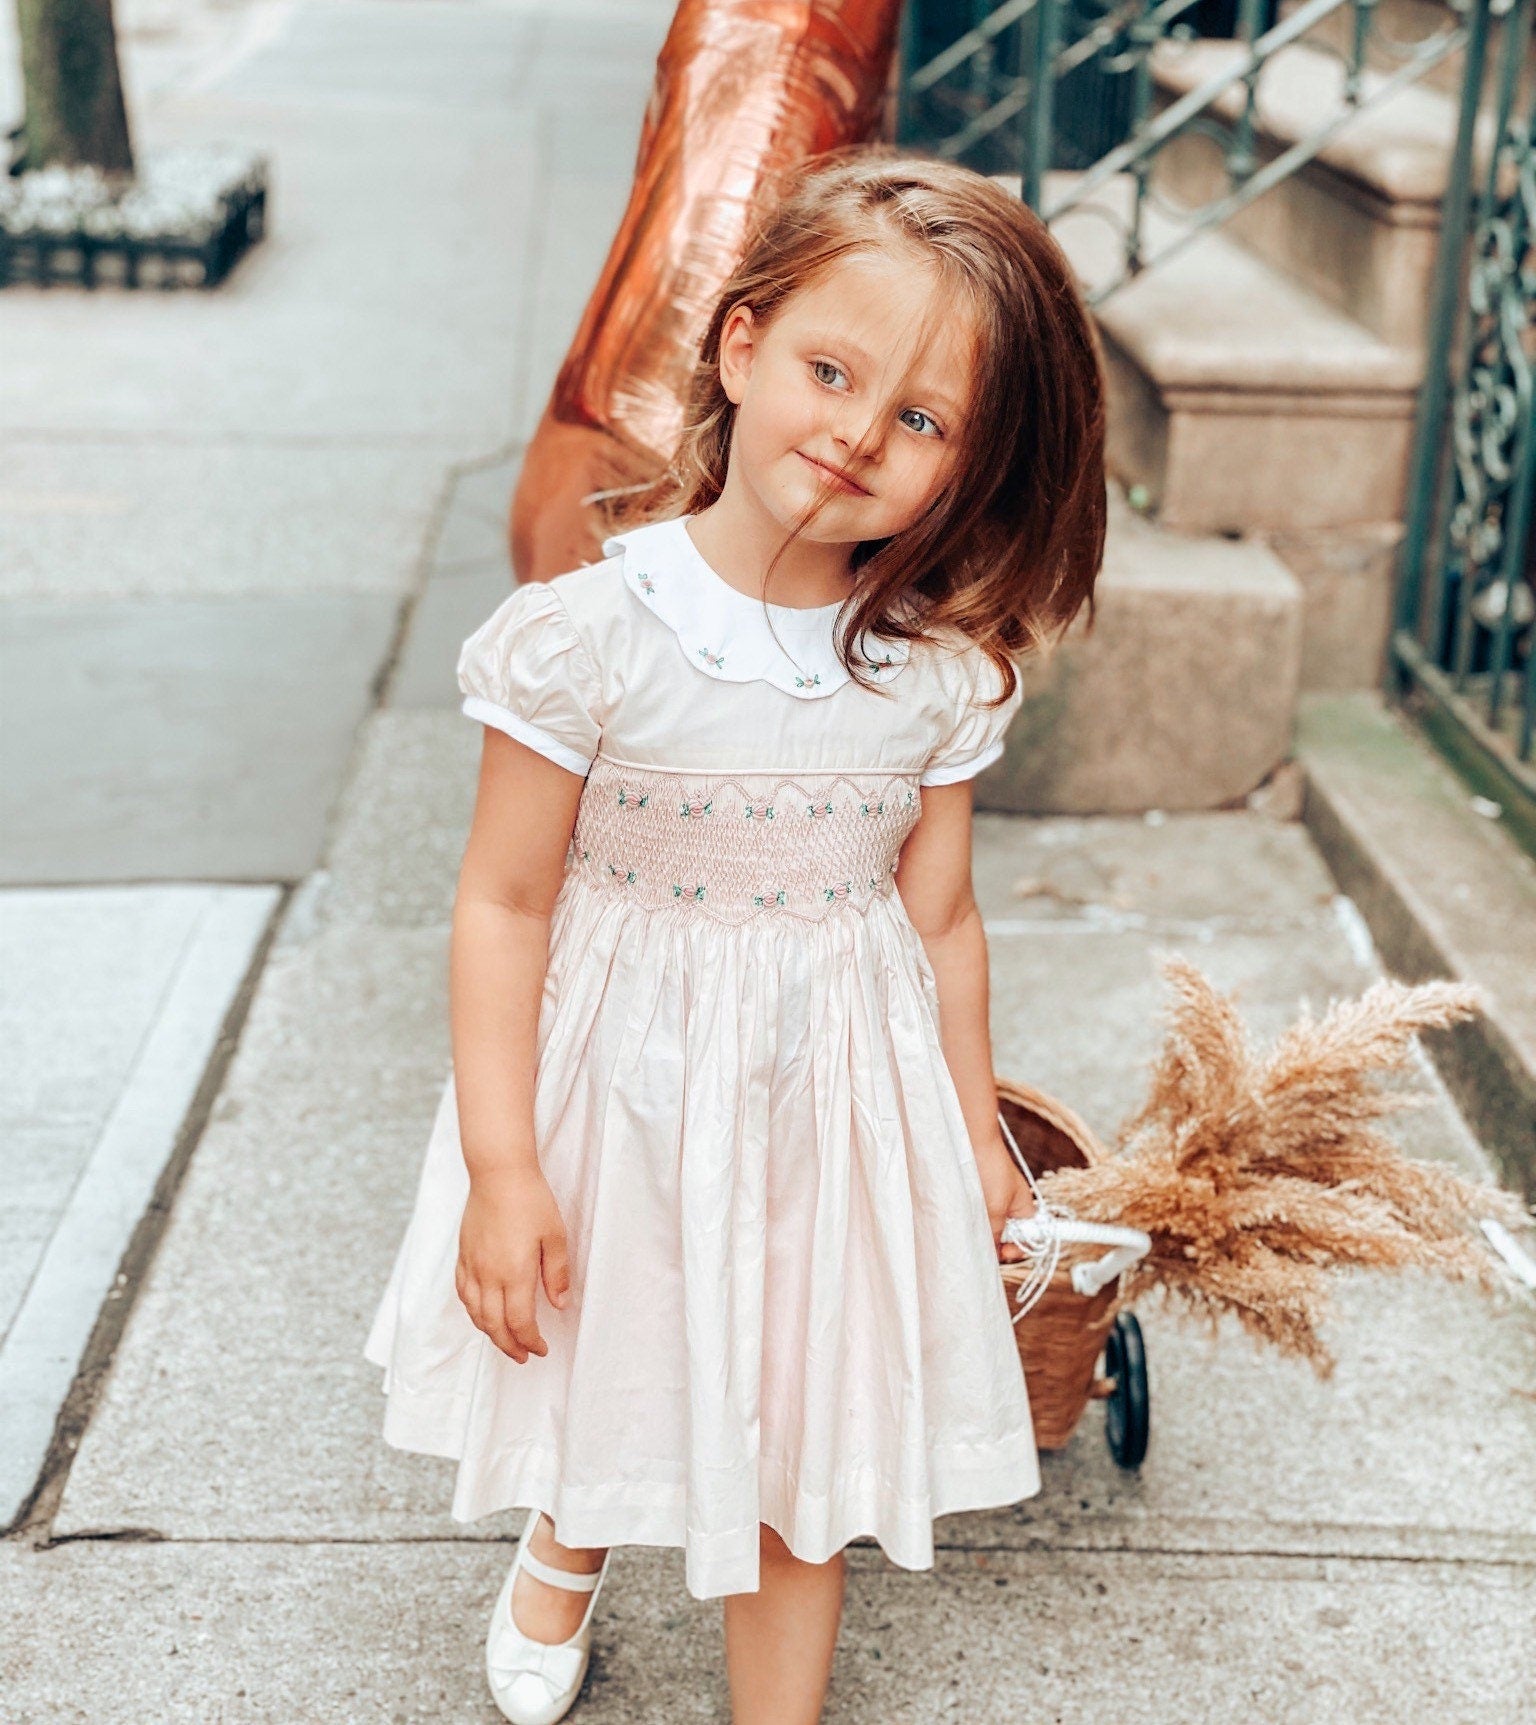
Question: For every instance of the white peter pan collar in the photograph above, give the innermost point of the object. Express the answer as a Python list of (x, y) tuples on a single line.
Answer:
[(723, 631)]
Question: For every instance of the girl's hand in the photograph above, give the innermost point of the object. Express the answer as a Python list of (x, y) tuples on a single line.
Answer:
[(1007, 1193), (511, 1237)]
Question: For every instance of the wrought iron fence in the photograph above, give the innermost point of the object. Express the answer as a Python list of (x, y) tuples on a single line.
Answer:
[(1464, 645), (1096, 86), (970, 72)]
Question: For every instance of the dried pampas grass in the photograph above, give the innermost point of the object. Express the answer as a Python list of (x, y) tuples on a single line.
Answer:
[(1255, 1174)]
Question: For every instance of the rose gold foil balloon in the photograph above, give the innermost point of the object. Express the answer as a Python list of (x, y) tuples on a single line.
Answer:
[(744, 90)]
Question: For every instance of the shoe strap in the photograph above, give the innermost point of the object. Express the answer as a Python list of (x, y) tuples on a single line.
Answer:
[(571, 1579)]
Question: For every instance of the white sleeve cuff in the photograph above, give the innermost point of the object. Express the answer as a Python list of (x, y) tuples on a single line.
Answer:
[(520, 730), (954, 771)]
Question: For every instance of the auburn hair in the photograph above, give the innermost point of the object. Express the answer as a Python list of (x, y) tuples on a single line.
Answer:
[(1010, 548)]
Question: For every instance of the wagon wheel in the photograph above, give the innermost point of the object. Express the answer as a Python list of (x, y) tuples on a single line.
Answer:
[(1126, 1409)]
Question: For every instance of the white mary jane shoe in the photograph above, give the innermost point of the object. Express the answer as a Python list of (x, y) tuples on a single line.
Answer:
[(535, 1682)]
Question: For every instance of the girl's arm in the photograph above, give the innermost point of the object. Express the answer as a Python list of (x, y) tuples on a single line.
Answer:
[(933, 876), (514, 862)]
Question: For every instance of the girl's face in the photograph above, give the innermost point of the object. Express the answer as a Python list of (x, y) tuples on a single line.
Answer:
[(814, 415)]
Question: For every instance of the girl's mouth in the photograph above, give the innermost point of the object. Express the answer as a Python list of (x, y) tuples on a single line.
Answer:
[(843, 484)]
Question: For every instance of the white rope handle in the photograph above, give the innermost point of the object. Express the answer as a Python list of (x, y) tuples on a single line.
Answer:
[(1042, 1235), (1130, 1245)]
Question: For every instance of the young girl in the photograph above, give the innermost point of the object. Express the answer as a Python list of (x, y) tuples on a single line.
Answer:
[(705, 1251)]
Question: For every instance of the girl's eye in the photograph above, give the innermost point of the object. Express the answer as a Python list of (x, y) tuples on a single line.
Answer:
[(917, 413), (822, 366)]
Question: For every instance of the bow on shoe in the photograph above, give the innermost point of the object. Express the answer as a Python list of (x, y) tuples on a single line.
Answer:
[(558, 1667)]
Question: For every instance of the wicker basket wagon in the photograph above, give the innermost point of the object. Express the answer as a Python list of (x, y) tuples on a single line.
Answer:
[(1066, 1330)]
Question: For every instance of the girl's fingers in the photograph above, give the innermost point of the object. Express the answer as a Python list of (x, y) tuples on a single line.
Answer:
[(557, 1273), (518, 1305), (505, 1313), (487, 1313), (1010, 1253), (497, 1328)]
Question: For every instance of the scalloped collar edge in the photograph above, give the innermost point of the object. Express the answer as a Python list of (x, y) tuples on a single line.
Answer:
[(723, 632)]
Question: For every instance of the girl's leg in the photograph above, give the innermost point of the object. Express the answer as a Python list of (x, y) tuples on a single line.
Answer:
[(552, 1613), (779, 1641)]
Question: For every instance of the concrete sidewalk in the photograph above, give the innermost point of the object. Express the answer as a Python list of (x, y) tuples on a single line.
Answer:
[(215, 511), (231, 1541)]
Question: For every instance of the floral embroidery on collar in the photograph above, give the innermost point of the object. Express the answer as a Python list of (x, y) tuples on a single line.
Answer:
[(724, 632)]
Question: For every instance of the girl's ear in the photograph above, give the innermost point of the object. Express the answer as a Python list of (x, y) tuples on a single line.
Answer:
[(738, 343)]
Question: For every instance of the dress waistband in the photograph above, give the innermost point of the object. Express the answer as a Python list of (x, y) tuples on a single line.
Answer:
[(736, 846)]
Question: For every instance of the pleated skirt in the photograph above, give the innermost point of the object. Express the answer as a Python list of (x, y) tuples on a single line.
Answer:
[(786, 1305)]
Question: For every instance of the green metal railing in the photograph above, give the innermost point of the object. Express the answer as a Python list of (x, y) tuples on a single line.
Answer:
[(1464, 645), (1033, 86)]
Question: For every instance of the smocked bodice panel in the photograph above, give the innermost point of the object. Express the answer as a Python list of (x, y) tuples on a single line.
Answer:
[(738, 846)]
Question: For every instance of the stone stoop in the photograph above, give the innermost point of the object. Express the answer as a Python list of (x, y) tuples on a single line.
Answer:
[(1181, 696), (1444, 891), (1239, 400), (1405, 21), (1360, 224), (1263, 386)]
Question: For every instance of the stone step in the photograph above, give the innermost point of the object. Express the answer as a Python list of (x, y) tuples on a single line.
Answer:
[(1445, 891), (1359, 225), (1405, 21), (1400, 20), (1240, 400), (1181, 696)]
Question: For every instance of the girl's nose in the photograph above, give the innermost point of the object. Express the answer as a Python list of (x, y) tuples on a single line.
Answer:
[(863, 435)]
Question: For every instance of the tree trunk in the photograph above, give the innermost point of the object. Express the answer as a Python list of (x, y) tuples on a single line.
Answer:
[(75, 114)]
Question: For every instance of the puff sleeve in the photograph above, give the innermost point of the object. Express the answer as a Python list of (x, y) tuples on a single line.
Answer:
[(976, 740), (526, 671)]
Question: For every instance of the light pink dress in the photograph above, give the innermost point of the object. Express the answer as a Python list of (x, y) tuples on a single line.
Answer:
[(786, 1300)]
